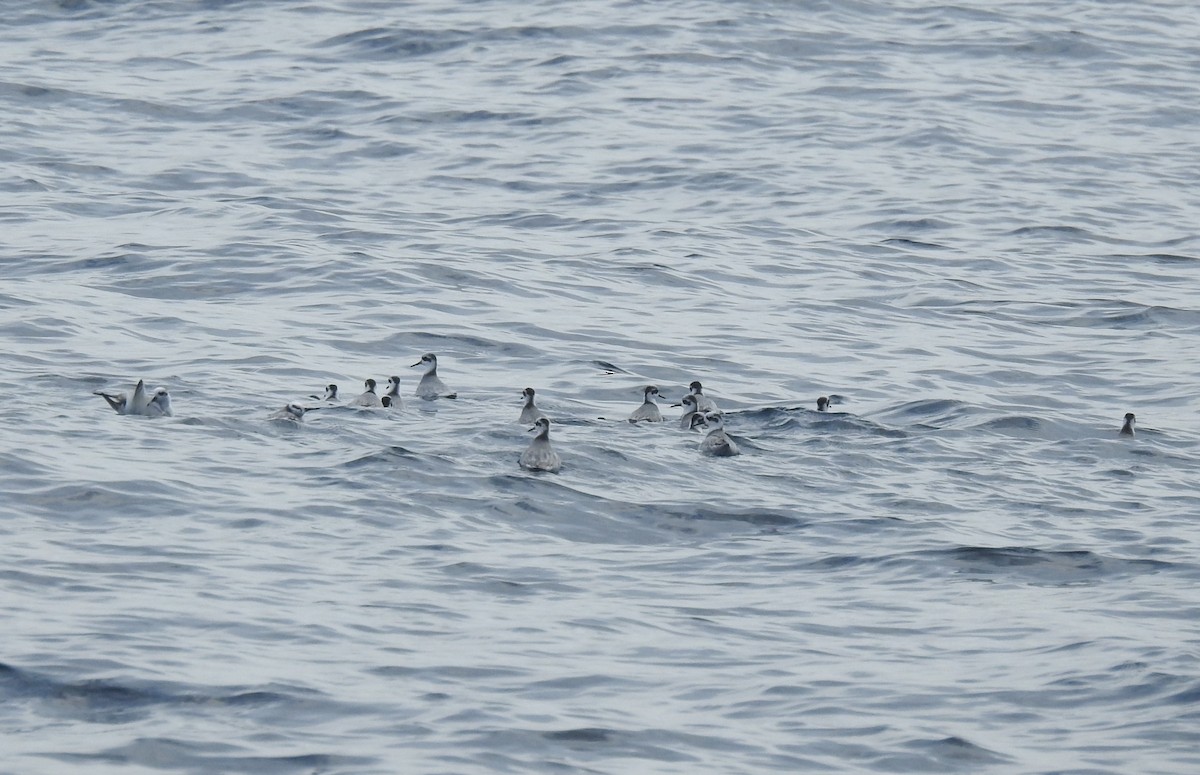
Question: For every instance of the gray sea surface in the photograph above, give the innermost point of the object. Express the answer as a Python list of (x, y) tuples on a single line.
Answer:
[(976, 223)]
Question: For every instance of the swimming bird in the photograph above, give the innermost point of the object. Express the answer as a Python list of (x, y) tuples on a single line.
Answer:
[(386, 400), (823, 404), (122, 404), (160, 404), (530, 414), (703, 402), (1127, 428), (330, 394), (430, 387), (540, 456), (696, 421), (688, 403), (293, 412), (392, 394), (717, 443), (368, 399), (648, 411)]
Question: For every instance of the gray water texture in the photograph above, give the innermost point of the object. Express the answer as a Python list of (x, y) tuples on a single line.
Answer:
[(975, 222)]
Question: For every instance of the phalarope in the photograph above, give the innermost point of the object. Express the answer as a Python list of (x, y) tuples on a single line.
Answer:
[(717, 443), (368, 398), (530, 414), (540, 456), (393, 393), (703, 402), (688, 403), (430, 386), (648, 411)]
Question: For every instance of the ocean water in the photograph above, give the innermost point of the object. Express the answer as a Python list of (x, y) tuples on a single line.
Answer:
[(974, 222)]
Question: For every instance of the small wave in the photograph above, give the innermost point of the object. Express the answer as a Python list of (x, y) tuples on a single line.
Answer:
[(390, 44), (1043, 566)]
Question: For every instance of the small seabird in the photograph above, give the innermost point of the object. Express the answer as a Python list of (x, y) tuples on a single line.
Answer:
[(1127, 428), (330, 394), (123, 404), (368, 399), (648, 411), (386, 400), (293, 412), (540, 456), (160, 403), (690, 415), (696, 422), (530, 414), (823, 404), (717, 443), (703, 402), (430, 387), (392, 394)]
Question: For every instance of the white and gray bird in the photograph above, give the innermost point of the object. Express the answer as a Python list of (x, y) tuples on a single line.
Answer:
[(330, 396), (430, 386), (293, 412), (648, 411), (121, 403), (717, 443), (530, 414), (540, 456), (1127, 428), (823, 404), (368, 398), (686, 422), (160, 404), (703, 402), (393, 393)]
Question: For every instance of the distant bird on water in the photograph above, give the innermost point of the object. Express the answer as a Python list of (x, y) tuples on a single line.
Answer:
[(648, 411), (703, 402), (686, 422), (330, 394), (717, 443), (393, 394), (293, 412), (368, 398), (1127, 428), (430, 386), (157, 404), (540, 456), (530, 414)]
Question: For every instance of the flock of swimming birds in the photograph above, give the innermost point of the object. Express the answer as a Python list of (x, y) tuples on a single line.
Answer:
[(699, 412)]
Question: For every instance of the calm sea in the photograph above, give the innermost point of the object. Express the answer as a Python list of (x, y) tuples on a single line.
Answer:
[(976, 223)]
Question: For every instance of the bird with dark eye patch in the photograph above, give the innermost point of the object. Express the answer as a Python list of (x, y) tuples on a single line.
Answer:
[(648, 411), (717, 443), (368, 399), (160, 404), (431, 386), (540, 456), (703, 402), (690, 416), (823, 404), (1127, 428), (393, 394), (530, 414), (156, 404), (293, 412), (330, 395)]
